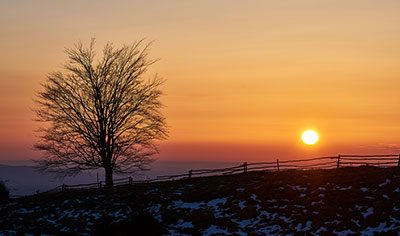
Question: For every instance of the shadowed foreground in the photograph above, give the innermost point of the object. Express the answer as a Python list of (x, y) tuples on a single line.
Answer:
[(345, 201)]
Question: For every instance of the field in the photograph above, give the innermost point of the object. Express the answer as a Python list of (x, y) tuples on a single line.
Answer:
[(344, 201)]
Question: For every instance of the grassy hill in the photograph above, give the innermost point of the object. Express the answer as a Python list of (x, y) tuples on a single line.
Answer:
[(345, 201)]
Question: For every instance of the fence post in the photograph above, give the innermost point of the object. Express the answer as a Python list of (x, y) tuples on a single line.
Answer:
[(100, 183), (130, 180), (63, 187), (190, 174), (398, 163), (277, 164), (245, 167), (338, 161)]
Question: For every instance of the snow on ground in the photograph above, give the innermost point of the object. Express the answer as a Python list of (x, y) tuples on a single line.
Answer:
[(212, 230), (299, 188), (364, 190), (215, 202), (344, 232), (188, 205), (154, 210), (387, 181), (182, 224), (379, 229), (367, 212), (345, 188), (242, 204), (304, 227), (266, 211)]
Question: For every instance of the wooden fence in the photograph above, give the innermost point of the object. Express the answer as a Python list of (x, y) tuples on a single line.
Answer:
[(328, 162)]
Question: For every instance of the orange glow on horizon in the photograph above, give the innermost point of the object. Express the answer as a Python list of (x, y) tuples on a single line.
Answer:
[(240, 76)]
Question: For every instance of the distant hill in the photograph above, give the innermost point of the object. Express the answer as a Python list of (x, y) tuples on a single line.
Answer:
[(345, 201), (25, 180)]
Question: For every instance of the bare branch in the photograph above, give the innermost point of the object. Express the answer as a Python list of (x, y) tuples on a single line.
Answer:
[(100, 115)]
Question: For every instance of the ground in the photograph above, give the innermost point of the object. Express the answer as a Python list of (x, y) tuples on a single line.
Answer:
[(345, 201)]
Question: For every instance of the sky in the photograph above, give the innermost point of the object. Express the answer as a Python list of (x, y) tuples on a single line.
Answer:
[(243, 78)]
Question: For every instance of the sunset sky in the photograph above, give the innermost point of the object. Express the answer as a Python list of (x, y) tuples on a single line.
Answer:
[(244, 79)]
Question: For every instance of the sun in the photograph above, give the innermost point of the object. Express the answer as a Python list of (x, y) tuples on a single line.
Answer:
[(310, 137)]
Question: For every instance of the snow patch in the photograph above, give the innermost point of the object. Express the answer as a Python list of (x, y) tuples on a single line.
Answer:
[(298, 188), (183, 224), (272, 200), (24, 211), (381, 228), (241, 190), (269, 230), (306, 227), (214, 203), (319, 231), (242, 204), (344, 232), (243, 223), (364, 190), (367, 212), (345, 188), (215, 230), (155, 211), (356, 222), (285, 219), (385, 183), (254, 197), (188, 205), (315, 203)]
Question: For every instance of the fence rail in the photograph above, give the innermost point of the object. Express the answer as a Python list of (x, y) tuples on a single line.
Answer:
[(327, 162)]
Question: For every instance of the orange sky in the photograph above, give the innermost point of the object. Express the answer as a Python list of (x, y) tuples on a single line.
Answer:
[(244, 78)]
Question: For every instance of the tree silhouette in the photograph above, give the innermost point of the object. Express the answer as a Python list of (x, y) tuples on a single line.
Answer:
[(100, 113)]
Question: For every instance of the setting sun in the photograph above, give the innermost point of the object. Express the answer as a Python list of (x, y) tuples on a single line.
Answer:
[(310, 137)]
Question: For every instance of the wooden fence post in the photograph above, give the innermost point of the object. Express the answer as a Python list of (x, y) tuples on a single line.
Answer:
[(190, 174), (277, 164), (63, 187), (100, 183), (398, 163), (130, 180), (245, 167), (338, 161)]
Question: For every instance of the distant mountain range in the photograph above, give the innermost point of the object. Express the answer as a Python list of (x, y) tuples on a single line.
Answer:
[(25, 180)]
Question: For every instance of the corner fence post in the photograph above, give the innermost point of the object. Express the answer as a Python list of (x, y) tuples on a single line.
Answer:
[(245, 167), (100, 183), (398, 163), (338, 161), (130, 180), (277, 164), (190, 174), (63, 187)]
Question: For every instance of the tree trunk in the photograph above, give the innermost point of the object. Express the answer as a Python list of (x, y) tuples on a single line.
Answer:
[(109, 176)]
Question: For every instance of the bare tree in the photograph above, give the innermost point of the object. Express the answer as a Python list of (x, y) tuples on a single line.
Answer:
[(100, 113)]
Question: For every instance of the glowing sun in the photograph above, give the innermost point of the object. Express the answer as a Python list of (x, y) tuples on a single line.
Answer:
[(310, 137)]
